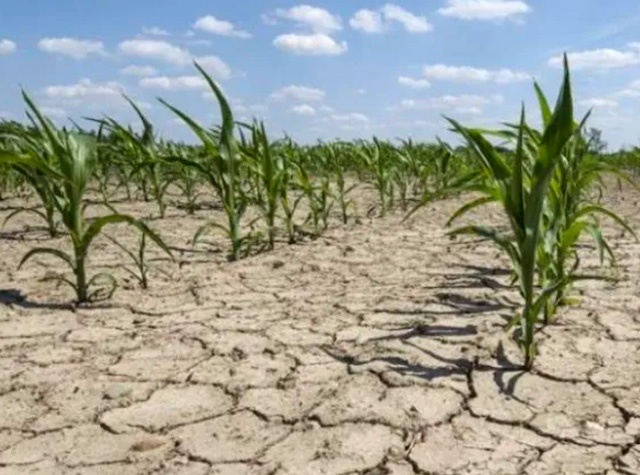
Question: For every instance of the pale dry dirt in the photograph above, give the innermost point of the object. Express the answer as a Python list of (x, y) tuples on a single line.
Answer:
[(376, 349)]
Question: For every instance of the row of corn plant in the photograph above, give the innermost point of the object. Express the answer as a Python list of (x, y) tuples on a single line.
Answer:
[(66, 161), (546, 189)]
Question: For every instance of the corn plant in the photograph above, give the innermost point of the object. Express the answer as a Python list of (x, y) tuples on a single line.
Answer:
[(376, 161), (24, 156), (319, 199), (146, 151), (187, 180), (288, 201), (70, 168), (268, 177), (522, 190), (332, 157), (138, 258), (571, 210), (221, 169)]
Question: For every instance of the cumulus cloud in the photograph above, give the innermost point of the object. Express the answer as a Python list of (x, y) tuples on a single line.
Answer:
[(134, 70), (215, 66), (56, 112), (412, 23), (166, 52), (155, 31), (174, 83), (460, 104), (317, 44), (413, 83), (7, 46), (72, 47), (211, 24), (600, 59), (317, 19), (378, 21), (628, 93), (443, 72), (84, 88), (352, 117), (157, 50), (367, 21), (599, 102), (484, 10), (300, 93), (303, 109)]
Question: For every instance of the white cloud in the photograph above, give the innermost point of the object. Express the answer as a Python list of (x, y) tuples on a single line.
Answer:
[(303, 109), (211, 24), (199, 42), (632, 91), (163, 51), (174, 83), (54, 112), (468, 74), (72, 47), (629, 93), (412, 23), (471, 110), (7, 46), (460, 104), (599, 102), (367, 21), (598, 59), (353, 117), (485, 9), (157, 50), (84, 88), (300, 93), (361, 91), (413, 83), (134, 70), (318, 19), (215, 66), (317, 44), (155, 31)]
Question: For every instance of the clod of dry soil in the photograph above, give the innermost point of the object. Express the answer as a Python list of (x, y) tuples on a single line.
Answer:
[(377, 349)]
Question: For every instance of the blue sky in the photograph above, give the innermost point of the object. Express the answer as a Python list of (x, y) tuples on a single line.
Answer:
[(323, 69)]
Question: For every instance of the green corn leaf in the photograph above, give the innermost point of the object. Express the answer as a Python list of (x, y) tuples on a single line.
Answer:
[(545, 110), (50, 251)]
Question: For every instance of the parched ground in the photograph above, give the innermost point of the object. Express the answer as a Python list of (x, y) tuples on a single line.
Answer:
[(376, 349)]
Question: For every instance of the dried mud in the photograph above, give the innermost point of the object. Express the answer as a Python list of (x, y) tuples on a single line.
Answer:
[(376, 349)]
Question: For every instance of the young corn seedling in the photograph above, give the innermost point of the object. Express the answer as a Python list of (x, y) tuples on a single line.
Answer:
[(571, 211), (523, 194), (288, 200), (333, 153), (376, 161), (266, 171), (319, 200), (188, 182), (70, 169), (142, 269), (221, 169), (24, 156), (147, 152)]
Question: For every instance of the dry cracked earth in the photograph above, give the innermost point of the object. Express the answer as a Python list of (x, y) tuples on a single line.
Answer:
[(376, 349)]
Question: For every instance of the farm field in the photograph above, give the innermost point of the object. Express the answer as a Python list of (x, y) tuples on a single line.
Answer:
[(378, 348), (244, 304)]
